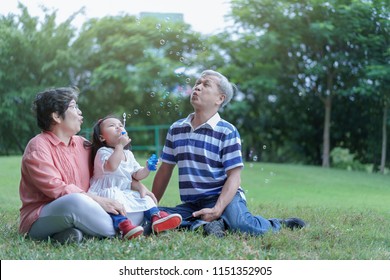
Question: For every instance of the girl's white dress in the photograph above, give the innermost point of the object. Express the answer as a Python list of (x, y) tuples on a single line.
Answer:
[(117, 184)]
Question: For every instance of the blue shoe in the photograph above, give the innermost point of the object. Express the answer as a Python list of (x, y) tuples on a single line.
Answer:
[(293, 223), (216, 228)]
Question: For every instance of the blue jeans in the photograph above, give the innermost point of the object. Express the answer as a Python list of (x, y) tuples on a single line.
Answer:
[(236, 215)]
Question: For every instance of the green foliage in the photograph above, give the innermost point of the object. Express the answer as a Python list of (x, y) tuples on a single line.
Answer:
[(288, 58), (343, 159), (120, 63), (33, 56), (319, 49), (131, 65), (347, 215)]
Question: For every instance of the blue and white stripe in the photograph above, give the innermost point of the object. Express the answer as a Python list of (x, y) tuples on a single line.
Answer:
[(203, 155)]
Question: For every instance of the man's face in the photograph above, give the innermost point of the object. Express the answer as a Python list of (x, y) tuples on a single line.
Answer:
[(206, 93)]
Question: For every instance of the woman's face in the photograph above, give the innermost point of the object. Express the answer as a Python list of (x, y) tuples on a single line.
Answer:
[(73, 118)]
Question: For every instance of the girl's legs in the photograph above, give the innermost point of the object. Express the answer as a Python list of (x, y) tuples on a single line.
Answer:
[(117, 219), (75, 210), (123, 224), (161, 220), (150, 212)]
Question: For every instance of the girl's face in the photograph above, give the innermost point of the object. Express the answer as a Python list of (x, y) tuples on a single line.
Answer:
[(111, 131)]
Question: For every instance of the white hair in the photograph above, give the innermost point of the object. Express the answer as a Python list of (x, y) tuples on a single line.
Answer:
[(227, 88)]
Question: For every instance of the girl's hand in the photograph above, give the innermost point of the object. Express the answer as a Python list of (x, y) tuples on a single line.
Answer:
[(124, 139)]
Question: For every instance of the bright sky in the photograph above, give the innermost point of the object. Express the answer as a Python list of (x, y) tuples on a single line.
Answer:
[(206, 16)]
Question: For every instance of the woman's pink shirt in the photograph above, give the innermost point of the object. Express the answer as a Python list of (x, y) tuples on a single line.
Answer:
[(50, 169)]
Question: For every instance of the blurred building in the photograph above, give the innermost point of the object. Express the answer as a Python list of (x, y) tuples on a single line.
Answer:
[(174, 17)]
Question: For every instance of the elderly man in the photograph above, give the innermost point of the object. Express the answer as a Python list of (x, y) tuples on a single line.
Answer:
[(207, 151)]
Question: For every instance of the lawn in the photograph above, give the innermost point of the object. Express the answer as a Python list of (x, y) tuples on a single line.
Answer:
[(347, 214)]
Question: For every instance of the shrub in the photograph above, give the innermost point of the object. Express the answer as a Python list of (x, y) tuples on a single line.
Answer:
[(342, 158)]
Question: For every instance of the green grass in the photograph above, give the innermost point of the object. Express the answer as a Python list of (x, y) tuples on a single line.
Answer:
[(347, 212)]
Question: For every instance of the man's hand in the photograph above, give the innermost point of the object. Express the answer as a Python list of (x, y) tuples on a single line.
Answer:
[(228, 192), (208, 214)]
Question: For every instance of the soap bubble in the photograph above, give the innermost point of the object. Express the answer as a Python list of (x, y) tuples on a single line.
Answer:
[(136, 111), (162, 42), (152, 94)]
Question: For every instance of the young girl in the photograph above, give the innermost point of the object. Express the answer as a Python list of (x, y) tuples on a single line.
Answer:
[(114, 170)]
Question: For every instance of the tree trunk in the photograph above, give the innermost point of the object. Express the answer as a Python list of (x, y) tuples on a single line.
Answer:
[(326, 134), (384, 140)]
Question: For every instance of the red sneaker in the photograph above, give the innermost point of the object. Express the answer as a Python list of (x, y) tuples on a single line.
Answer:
[(162, 221), (130, 231)]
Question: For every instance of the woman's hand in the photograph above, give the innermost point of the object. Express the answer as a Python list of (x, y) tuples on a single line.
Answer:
[(109, 205)]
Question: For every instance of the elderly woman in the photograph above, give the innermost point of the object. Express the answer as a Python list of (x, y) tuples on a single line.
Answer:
[(55, 176)]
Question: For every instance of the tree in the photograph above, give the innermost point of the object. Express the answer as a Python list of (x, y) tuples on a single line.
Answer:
[(315, 41), (34, 55), (135, 66), (121, 64), (376, 79)]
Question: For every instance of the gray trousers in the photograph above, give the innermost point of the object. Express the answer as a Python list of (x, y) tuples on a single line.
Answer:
[(74, 210)]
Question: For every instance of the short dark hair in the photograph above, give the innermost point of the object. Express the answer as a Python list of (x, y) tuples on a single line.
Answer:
[(55, 100)]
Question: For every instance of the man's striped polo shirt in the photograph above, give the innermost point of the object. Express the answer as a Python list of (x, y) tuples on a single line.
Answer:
[(203, 155)]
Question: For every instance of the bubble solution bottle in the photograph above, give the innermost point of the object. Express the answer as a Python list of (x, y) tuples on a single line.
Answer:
[(152, 162)]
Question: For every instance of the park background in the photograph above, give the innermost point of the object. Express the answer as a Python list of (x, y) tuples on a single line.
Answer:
[(312, 111)]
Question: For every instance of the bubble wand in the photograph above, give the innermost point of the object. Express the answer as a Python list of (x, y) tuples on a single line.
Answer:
[(124, 120), (124, 123)]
